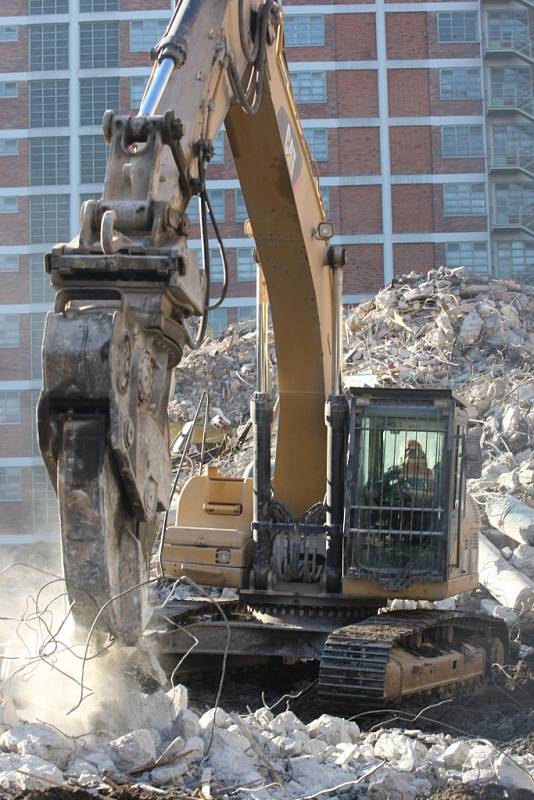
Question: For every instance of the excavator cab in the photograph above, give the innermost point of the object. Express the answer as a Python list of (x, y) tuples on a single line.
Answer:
[(407, 518)]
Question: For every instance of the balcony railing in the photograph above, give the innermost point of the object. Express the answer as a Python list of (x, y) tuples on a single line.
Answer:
[(514, 100), (519, 44), (513, 162), (521, 218)]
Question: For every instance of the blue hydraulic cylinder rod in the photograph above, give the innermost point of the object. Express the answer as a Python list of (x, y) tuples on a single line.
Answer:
[(156, 86)]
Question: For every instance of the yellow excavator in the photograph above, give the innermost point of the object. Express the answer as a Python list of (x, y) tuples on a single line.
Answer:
[(367, 500)]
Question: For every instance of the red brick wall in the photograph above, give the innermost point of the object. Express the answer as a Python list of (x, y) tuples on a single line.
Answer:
[(14, 110), (406, 35), (419, 257), (18, 516), (360, 209), (359, 151), (365, 268), (412, 208), (355, 37), (14, 227), (14, 55), (410, 150), (408, 92), (15, 361), (14, 170), (16, 285)]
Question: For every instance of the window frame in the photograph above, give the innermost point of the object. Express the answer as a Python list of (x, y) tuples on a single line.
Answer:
[(147, 39), (310, 133), (4, 407), (464, 211), (441, 19), (470, 136), (48, 47), (462, 261), (12, 338), (4, 482), (454, 75), (306, 33), (7, 38), (4, 209), (16, 268), (9, 141), (5, 94), (298, 75), (99, 44), (250, 274)]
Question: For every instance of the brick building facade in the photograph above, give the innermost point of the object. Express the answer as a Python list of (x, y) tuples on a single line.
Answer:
[(419, 116)]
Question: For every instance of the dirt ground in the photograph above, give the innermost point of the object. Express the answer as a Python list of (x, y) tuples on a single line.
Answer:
[(129, 793), (490, 791)]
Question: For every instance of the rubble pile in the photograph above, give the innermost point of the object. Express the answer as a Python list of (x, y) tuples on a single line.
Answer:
[(476, 336), (259, 755)]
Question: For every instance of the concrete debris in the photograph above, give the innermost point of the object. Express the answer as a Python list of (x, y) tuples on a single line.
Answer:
[(39, 740), (328, 755), (504, 582), (134, 749)]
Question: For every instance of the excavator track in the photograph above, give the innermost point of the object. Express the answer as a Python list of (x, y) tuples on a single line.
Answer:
[(357, 664)]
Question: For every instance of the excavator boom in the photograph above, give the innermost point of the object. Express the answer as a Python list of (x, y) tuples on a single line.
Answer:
[(128, 287)]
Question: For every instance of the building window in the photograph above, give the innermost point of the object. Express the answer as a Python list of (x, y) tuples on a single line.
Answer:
[(217, 203), (317, 139), (216, 263), (218, 321), (458, 26), (515, 260), (246, 266), (37, 323), (513, 200), (96, 96), (309, 87), (9, 330), (40, 289), (9, 408), (96, 6), (505, 26), (462, 141), (9, 263), (304, 30), (99, 45), (49, 218), (511, 142), (218, 149), (9, 147), (10, 484), (241, 213), (137, 89), (9, 89), (49, 104), (461, 199), (325, 194), (509, 83), (49, 161), (9, 205), (460, 83), (9, 33), (246, 315), (49, 7), (145, 33), (471, 255), (93, 159), (44, 502), (49, 46)]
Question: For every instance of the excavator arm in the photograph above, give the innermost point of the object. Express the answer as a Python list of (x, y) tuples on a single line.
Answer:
[(128, 289)]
